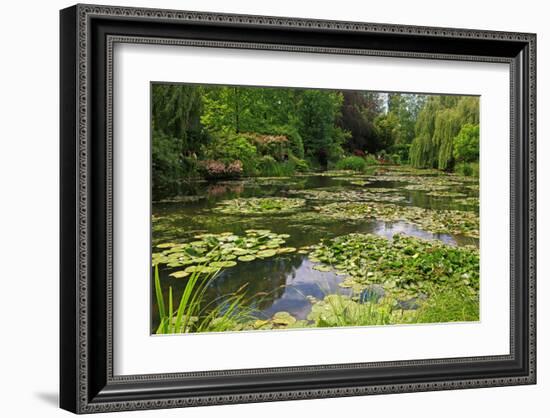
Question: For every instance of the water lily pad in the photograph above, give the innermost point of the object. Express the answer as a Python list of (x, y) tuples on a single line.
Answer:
[(222, 264), (436, 221), (266, 253), (405, 265), (260, 206), (179, 274), (218, 251), (321, 267), (442, 194), (166, 245), (283, 318), (194, 269), (246, 258)]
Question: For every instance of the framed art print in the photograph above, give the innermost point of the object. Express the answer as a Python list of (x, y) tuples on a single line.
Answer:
[(261, 208)]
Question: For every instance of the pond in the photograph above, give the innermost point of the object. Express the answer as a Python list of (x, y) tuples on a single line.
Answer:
[(327, 205)]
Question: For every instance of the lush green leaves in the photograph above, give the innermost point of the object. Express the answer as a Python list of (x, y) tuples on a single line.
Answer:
[(404, 266), (466, 143), (260, 206), (438, 124)]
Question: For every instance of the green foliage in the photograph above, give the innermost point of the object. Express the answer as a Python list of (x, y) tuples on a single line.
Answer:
[(169, 166), (395, 159), (387, 130), (340, 311), (358, 111), (468, 169), (296, 144), (298, 164), (317, 111), (176, 110), (260, 205), (447, 123), (193, 314), (436, 221), (450, 304), (438, 124), (228, 148), (403, 266), (228, 131), (352, 163), (371, 160), (466, 143), (212, 252), (176, 135)]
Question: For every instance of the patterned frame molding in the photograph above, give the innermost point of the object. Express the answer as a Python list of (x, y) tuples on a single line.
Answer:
[(87, 381)]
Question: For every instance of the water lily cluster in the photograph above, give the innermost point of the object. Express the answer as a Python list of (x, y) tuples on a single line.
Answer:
[(259, 205), (212, 252), (405, 267), (437, 221)]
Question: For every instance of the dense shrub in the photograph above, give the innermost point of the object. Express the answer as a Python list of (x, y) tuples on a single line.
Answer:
[(394, 159), (267, 165), (466, 143), (168, 164), (402, 150), (299, 164), (295, 142), (228, 148), (219, 169), (352, 163), (371, 160), (468, 169), (276, 146)]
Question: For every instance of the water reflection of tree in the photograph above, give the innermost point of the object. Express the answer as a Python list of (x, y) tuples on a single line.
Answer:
[(265, 280)]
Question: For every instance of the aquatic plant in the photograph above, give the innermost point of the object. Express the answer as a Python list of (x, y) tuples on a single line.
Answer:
[(406, 267), (446, 194), (468, 201), (381, 190), (436, 221), (340, 311), (192, 313), (260, 205), (359, 182), (279, 320), (425, 187), (212, 252), (353, 195)]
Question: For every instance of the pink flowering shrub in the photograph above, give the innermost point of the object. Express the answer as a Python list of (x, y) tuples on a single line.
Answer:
[(219, 169)]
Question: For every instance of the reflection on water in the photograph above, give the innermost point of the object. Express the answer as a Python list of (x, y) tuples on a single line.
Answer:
[(281, 283)]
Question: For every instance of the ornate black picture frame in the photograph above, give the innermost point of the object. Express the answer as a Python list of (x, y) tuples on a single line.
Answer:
[(88, 34)]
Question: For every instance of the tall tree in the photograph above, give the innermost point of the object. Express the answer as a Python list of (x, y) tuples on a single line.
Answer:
[(317, 112), (438, 123), (359, 110)]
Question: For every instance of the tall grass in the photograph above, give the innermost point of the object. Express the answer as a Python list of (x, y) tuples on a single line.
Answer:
[(277, 169), (193, 315), (452, 305), (269, 167)]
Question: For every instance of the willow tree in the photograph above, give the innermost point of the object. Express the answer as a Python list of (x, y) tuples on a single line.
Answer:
[(177, 134), (422, 151), (176, 112), (438, 124)]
